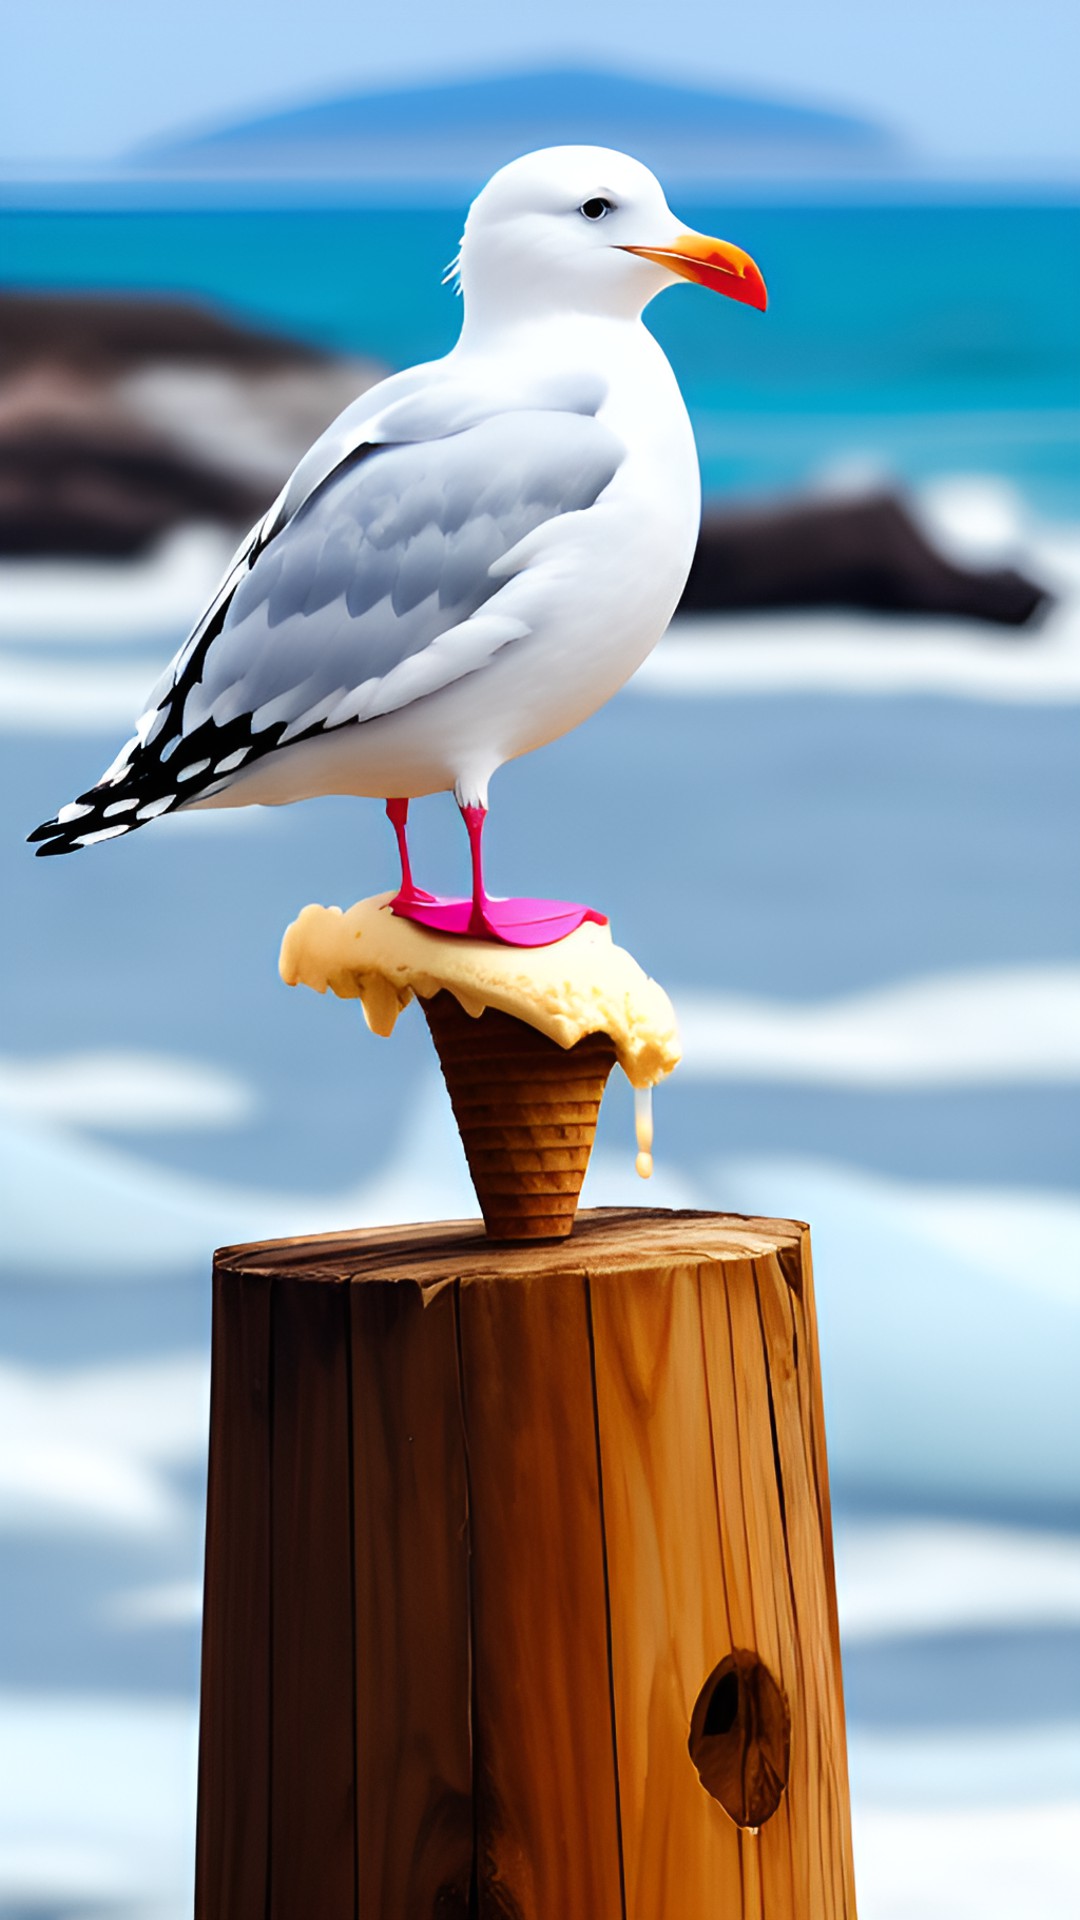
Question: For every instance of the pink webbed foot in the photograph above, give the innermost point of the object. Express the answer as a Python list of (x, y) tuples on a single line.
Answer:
[(513, 923), (406, 898)]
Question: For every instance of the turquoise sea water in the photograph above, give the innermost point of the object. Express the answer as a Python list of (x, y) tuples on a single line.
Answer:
[(924, 339)]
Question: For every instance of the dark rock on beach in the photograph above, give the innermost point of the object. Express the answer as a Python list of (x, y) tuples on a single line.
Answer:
[(122, 417), (866, 551)]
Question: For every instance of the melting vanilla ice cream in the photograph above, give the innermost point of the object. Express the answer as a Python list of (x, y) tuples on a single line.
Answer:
[(583, 984)]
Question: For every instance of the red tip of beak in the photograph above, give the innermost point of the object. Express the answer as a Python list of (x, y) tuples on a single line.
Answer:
[(714, 264), (745, 284)]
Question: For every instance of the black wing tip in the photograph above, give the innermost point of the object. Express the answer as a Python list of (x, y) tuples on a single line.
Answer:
[(58, 844), (55, 829), (54, 836)]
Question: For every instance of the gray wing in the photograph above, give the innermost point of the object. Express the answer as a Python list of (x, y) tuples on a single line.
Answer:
[(337, 615), (421, 405), (364, 587), (392, 552)]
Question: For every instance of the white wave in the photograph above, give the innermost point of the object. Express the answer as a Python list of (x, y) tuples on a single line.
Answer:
[(938, 1576), (763, 654), (981, 520), (47, 607), (950, 1327), (949, 1324), (125, 1219), (172, 1603), (44, 695), (97, 1804), (950, 1319), (978, 518), (115, 602), (93, 1447), (1014, 1234), (1004, 1232), (98, 604), (758, 655), (894, 1577), (255, 424), (124, 1091), (953, 1768), (987, 1027), (969, 1863)]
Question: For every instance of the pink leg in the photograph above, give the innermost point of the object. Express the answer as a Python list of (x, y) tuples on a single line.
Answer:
[(479, 920), (397, 812), (513, 923)]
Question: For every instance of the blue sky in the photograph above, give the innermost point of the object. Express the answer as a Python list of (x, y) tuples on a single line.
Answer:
[(979, 85)]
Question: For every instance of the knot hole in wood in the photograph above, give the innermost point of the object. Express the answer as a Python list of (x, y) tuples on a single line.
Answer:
[(740, 1738)]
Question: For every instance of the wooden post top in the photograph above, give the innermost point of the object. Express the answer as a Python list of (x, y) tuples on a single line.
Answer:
[(604, 1240), (519, 1579)]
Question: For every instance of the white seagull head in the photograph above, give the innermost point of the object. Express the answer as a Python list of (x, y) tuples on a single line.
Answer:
[(587, 230)]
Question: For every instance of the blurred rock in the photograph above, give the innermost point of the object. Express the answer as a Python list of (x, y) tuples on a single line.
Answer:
[(867, 552), (123, 417)]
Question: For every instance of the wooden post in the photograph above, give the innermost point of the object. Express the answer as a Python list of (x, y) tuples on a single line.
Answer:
[(519, 1594)]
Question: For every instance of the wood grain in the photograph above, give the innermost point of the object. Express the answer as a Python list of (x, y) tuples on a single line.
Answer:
[(414, 1752), (671, 1607), (546, 1790), (312, 1752), (525, 1526), (232, 1846)]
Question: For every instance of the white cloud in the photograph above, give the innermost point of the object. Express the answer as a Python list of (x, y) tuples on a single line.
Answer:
[(986, 1027)]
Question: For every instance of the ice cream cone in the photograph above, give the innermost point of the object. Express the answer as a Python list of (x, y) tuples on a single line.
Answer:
[(526, 1110)]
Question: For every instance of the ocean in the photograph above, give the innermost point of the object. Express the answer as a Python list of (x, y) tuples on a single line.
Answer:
[(846, 845)]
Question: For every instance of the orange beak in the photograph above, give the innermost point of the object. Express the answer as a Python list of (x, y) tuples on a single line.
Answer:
[(711, 263)]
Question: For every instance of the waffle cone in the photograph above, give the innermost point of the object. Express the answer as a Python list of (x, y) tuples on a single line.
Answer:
[(526, 1110)]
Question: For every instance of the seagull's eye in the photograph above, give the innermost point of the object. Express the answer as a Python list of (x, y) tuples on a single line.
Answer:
[(595, 209)]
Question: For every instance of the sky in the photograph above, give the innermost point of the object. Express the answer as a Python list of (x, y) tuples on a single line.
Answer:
[(983, 86)]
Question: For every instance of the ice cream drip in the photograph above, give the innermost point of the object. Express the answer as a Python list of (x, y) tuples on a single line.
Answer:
[(643, 1126)]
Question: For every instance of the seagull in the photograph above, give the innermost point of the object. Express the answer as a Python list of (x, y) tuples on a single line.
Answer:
[(471, 559)]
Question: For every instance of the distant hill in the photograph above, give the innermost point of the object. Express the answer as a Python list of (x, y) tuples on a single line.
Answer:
[(462, 130)]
